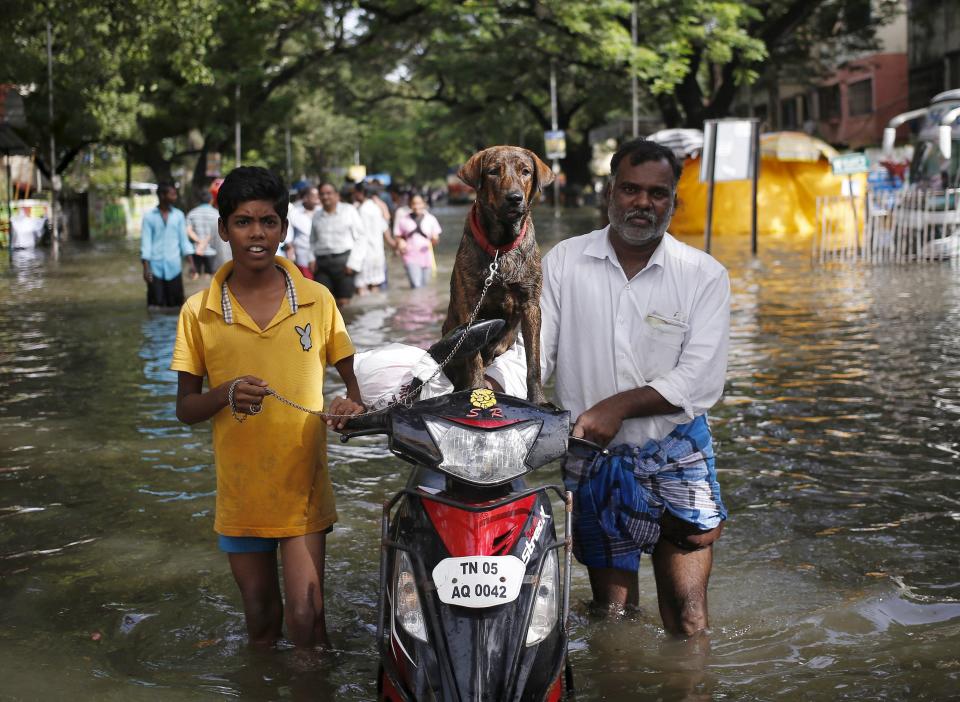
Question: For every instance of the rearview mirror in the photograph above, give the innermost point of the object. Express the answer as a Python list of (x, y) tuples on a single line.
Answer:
[(946, 138), (889, 140)]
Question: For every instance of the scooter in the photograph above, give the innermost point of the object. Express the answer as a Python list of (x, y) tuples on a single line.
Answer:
[(473, 602)]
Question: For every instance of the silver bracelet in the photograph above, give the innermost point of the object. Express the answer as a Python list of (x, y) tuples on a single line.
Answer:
[(233, 403)]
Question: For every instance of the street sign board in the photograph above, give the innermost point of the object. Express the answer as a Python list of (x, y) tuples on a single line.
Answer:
[(732, 158), (849, 164), (556, 142)]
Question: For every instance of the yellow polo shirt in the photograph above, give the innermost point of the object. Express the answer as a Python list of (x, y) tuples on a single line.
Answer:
[(272, 478)]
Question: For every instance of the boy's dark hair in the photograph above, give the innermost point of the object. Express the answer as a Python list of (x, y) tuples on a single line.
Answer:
[(205, 196), (643, 150), (251, 183), (163, 186)]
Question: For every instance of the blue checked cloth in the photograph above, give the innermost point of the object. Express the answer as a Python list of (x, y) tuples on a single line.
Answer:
[(619, 499)]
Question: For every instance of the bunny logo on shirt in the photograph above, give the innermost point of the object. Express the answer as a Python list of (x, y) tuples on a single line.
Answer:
[(304, 333)]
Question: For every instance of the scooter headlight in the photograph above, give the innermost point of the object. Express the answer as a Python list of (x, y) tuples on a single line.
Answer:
[(544, 616), (483, 456), (406, 600)]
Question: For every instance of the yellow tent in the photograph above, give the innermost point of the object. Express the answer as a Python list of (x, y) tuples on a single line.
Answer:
[(794, 170)]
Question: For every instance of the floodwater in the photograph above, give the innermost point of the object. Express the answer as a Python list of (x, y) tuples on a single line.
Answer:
[(838, 576)]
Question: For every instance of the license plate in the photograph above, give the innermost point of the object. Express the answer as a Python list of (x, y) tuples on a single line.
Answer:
[(479, 581)]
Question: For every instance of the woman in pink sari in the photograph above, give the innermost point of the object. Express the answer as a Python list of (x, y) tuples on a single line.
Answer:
[(415, 233)]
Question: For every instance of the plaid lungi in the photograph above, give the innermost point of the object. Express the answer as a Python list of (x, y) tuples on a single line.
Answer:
[(618, 499)]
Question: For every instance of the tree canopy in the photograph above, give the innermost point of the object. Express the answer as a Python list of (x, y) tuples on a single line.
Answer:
[(415, 86)]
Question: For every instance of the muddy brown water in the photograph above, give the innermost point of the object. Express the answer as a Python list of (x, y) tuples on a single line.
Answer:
[(836, 578)]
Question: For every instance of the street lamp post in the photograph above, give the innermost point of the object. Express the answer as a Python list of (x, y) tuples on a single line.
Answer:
[(553, 122), (236, 128), (55, 230), (635, 102)]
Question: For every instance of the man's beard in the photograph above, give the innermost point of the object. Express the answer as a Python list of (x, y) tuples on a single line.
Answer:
[(638, 226)]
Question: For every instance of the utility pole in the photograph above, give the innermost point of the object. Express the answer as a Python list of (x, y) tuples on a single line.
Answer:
[(553, 122), (635, 101), (289, 156), (236, 129), (55, 230)]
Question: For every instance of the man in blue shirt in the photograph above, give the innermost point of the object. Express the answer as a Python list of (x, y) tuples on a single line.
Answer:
[(163, 244)]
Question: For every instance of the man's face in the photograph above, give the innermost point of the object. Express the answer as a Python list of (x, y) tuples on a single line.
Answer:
[(329, 197), (167, 196), (641, 202), (311, 199)]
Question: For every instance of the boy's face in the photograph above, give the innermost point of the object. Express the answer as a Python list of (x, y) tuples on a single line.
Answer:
[(254, 231)]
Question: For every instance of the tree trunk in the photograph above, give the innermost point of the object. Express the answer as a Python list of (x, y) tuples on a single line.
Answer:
[(199, 173), (149, 153)]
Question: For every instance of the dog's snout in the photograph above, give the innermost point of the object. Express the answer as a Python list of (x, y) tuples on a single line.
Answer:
[(514, 196)]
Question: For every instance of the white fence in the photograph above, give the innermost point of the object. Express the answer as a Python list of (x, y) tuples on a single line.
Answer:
[(889, 227)]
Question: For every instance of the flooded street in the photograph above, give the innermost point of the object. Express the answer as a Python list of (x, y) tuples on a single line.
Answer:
[(837, 577)]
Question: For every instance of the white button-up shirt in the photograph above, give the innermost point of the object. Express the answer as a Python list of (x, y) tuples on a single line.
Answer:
[(335, 232), (602, 334)]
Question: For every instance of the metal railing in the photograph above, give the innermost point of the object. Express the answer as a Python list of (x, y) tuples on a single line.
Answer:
[(903, 226)]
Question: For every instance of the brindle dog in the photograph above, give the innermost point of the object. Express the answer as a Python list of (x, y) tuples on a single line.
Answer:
[(507, 180)]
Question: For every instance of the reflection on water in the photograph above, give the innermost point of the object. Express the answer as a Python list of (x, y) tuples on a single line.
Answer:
[(837, 576)]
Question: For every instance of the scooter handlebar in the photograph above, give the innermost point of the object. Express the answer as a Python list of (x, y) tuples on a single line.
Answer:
[(365, 425), (586, 443)]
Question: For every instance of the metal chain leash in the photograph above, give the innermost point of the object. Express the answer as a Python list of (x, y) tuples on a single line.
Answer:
[(405, 397)]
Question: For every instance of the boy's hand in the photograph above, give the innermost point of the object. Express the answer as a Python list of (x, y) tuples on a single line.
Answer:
[(248, 395), (342, 405)]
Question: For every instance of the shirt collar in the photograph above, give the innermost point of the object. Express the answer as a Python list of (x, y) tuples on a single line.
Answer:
[(600, 247), (299, 291)]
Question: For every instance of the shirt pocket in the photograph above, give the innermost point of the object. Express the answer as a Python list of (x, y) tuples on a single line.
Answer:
[(661, 339)]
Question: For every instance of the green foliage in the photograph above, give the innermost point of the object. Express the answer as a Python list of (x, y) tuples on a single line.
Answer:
[(416, 85)]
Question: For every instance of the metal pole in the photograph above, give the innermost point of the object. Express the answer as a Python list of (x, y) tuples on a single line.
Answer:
[(635, 106), (9, 210), (553, 122), (55, 229), (753, 184), (236, 129), (289, 156), (856, 219), (708, 229)]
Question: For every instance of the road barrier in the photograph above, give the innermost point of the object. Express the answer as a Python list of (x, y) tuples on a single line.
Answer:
[(901, 226)]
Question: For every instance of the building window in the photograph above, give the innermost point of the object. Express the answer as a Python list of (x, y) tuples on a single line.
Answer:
[(788, 113), (860, 97), (953, 70), (829, 101), (925, 82)]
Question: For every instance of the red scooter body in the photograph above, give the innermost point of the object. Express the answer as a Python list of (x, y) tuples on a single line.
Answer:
[(474, 585)]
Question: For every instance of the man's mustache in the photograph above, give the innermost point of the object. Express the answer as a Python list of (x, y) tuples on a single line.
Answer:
[(646, 215)]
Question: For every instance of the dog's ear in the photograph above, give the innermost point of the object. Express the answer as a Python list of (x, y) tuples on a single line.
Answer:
[(544, 172), (471, 172)]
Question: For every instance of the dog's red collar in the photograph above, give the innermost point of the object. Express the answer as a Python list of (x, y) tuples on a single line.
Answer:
[(480, 236)]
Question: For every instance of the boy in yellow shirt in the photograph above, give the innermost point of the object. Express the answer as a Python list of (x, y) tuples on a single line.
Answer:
[(261, 322)]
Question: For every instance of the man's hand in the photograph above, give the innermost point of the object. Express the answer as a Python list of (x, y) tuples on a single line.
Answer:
[(313, 266), (147, 273), (342, 405), (601, 422), (348, 270), (248, 395)]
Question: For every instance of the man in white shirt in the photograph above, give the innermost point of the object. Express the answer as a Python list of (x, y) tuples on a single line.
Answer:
[(370, 276), (635, 326), (336, 243), (300, 218)]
